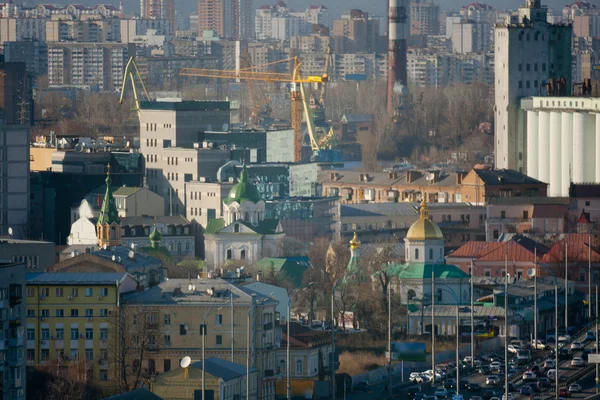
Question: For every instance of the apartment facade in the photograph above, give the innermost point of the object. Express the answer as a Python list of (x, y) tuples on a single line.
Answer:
[(424, 18), (14, 181), (71, 318), (177, 310), (98, 65), (12, 324), (35, 256), (159, 10)]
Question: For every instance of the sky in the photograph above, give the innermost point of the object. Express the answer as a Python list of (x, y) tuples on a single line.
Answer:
[(335, 6)]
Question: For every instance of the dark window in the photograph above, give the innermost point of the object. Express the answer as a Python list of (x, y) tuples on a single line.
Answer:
[(502, 214), (243, 255), (229, 254), (496, 235), (151, 366), (525, 214), (431, 254), (236, 228), (587, 203), (219, 339), (166, 365), (182, 330)]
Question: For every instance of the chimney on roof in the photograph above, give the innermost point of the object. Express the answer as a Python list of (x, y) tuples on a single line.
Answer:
[(333, 176), (412, 176), (459, 178), (392, 175)]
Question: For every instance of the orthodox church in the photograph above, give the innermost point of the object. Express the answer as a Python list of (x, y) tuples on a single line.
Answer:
[(424, 262), (244, 233)]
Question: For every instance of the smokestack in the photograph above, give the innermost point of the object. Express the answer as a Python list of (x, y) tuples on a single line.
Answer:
[(398, 33)]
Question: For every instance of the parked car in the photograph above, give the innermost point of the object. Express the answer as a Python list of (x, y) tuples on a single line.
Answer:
[(551, 374), (576, 346), (508, 396), (450, 383), (585, 354), (488, 394), (441, 392), (463, 384), (529, 376), (540, 345), (577, 362), (590, 335), (495, 366), (492, 380), (544, 382), (549, 364), (575, 388), (535, 368), (474, 387), (564, 392), (415, 377), (468, 359), (513, 349), (525, 390), (484, 369)]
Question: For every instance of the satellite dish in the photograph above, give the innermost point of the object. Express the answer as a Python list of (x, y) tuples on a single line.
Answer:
[(185, 362), (225, 127), (114, 258), (104, 247), (132, 245), (10, 231), (127, 144), (531, 272), (430, 177), (190, 286)]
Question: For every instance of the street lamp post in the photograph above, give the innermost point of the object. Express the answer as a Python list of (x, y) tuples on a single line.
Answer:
[(472, 319), (332, 361), (451, 292), (566, 284), (389, 293), (590, 272), (506, 277), (287, 350), (250, 312), (203, 345), (556, 337), (432, 326)]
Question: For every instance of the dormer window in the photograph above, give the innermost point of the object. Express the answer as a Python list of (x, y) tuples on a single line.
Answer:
[(236, 228)]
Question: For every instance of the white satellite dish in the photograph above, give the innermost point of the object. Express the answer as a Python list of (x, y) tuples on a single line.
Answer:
[(114, 258), (430, 177), (531, 272), (10, 231), (104, 247), (127, 144), (190, 286), (132, 245), (225, 127), (185, 362)]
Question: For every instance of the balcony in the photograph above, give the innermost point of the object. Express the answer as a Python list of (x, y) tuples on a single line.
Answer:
[(269, 372), (15, 321), (16, 342), (267, 326), (15, 299)]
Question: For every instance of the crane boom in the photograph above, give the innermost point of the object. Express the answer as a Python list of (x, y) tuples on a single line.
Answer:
[(131, 72), (310, 123)]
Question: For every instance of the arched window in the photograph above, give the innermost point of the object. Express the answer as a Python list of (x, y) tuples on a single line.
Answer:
[(281, 366), (299, 367), (243, 255), (439, 295), (229, 256), (246, 216), (431, 254), (236, 228), (416, 254), (411, 294), (113, 233)]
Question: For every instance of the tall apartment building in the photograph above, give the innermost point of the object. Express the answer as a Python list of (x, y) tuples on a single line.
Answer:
[(169, 141), (14, 181), (71, 11), (355, 33), (89, 30), (231, 19), (34, 53), (527, 54), (17, 29), (585, 18), (469, 37), (132, 28), (317, 15), (12, 331), (424, 17), (87, 64), (159, 9)]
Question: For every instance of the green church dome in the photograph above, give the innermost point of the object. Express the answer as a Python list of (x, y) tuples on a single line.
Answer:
[(155, 235), (243, 190)]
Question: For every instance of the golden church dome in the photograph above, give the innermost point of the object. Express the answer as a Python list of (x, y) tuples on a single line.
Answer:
[(424, 228)]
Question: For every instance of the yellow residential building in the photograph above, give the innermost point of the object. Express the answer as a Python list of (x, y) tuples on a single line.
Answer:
[(70, 316)]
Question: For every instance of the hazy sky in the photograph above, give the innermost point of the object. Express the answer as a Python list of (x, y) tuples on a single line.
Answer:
[(336, 6)]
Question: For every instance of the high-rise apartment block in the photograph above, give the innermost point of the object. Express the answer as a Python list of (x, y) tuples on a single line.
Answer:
[(87, 64), (528, 54), (585, 18), (159, 9), (231, 19), (34, 53), (356, 33), (16, 99), (90, 30), (424, 18), (12, 331), (14, 179)]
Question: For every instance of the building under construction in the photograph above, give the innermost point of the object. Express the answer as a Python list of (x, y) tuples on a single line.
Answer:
[(16, 99)]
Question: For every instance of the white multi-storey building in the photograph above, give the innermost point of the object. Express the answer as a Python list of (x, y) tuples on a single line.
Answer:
[(528, 54)]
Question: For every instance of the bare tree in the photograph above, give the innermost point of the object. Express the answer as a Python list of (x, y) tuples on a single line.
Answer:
[(69, 380), (134, 336)]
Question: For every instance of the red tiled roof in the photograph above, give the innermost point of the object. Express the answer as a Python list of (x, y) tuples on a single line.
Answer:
[(584, 218), (472, 248), (516, 252), (302, 336), (577, 249)]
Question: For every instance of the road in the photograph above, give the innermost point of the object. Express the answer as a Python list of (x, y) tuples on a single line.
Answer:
[(379, 390)]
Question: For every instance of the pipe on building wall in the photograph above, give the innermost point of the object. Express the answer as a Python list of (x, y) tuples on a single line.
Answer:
[(544, 147), (579, 153), (532, 144), (555, 154), (567, 152)]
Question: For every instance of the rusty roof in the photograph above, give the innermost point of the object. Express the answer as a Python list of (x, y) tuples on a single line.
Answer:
[(577, 249)]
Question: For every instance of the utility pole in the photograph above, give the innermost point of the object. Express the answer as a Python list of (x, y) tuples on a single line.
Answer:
[(535, 295), (432, 326), (472, 319), (389, 293)]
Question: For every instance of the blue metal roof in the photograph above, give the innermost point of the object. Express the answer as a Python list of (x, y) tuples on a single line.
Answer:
[(223, 369)]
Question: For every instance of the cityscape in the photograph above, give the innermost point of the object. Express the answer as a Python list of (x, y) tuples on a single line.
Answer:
[(273, 199)]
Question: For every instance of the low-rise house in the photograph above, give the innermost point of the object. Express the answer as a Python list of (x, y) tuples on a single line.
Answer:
[(479, 185), (223, 380)]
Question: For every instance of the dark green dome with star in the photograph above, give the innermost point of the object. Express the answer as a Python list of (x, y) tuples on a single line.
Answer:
[(243, 191)]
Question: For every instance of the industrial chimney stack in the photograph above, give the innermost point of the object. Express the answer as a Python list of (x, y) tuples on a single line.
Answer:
[(399, 31)]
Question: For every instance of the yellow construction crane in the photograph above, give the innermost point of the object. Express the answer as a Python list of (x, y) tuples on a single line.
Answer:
[(131, 72), (295, 79)]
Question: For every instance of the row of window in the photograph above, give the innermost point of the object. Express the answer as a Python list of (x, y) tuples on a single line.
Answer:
[(30, 261), (74, 292), (151, 128), (535, 67), (59, 312), (153, 317), (74, 334)]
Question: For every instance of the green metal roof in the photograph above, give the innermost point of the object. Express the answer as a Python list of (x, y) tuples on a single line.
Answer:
[(423, 271), (243, 190), (289, 268), (264, 227), (108, 213), (214, 225)]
